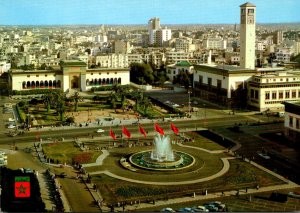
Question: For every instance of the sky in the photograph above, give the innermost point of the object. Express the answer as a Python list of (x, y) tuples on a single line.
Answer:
[(65, 12)]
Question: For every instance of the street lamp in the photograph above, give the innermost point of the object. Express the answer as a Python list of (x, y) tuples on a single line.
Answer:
[(189, 92)]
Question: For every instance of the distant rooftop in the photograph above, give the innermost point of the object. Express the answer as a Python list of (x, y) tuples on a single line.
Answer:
[(248, 4), (184, 64), (72, 63)]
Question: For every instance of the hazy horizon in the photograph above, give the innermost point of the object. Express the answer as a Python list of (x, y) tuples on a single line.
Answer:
[(138, 12)]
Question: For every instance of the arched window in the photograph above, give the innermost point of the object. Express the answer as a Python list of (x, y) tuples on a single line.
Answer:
[(24, 85), (50, 83), (119, 80), (115, 80), (54, 83), (92, 82), (58, 84), (111, 81), (32, 84), (42, 84), (87, 82), (103, 81), (96, 81), (100, 81), (107, 81), (28, 84), (46, 84), (37, 84)]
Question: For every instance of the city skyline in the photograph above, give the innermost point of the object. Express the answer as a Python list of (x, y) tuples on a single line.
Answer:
[(72, 12)]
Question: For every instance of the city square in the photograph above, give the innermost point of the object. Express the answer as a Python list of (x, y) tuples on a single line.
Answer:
[(149, 107)]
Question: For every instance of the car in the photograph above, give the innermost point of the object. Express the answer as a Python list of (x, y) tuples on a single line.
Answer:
[(294, 194), (100, 131), (199, 209), (135, 122), (167, 210), (211, 207), (11, 126), (264, 155), (175, 105), (218, 204), (185, 209)]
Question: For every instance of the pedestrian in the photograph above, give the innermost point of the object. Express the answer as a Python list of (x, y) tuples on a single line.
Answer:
[(206, 192), (222, 193), (257, 187)]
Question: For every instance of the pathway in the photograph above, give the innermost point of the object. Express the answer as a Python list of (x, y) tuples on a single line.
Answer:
[(99, 160)]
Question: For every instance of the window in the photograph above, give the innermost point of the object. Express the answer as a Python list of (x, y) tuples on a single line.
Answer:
[(37, 75), (267, 95), (274, 95), (200, 79), (209, 80), (46, 75), (219, 84), (256, 94), (252, 93), (287, 94), (243, 11), (28, 76), (280, 95), (250, 10), (294, 94), (297, 124), (291, 121)]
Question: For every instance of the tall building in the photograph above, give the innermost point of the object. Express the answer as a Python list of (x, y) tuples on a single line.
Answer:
[(157, 35), (247, 36), (278, 37)]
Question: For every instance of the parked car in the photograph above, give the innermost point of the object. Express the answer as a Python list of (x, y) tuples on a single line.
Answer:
[(11, 126), (185, 209), (100, 131), (211, 207), (199, 209), (167, 210)]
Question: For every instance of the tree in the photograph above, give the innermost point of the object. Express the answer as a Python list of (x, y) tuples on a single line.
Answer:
[(182, 79), (76, 98), (120, 91), (113, 100), (146, 103), (47, 99), (60, 104), (137, 96), (140, 71)]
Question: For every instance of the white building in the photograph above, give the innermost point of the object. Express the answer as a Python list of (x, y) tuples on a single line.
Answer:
[(292, 121), (175, 69), (112, 60), (214, 43), (247, 36), (157, 35), (4, 67), (184, 44), (174, 57), (72, 75), (269, 91)]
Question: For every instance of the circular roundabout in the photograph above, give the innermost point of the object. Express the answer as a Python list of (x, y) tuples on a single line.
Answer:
[(145, 160)]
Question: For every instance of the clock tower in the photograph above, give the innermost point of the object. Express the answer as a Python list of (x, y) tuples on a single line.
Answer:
[(247, 36)]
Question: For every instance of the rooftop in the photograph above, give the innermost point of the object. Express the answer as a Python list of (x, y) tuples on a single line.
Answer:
[(184, 64), (72, 63), (248, 4)]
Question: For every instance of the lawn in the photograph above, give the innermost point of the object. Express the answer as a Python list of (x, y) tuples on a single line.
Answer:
[(202, 142), (65, 152), (239, 176)]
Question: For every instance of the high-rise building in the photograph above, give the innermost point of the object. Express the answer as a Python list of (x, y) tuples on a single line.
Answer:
[(247, 36), (278, 37), (157, 35)]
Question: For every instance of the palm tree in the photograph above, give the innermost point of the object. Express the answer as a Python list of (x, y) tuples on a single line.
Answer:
[(47, 99), (146, 103), (76, 98), (137, 96), (60, 104), (121, 91)]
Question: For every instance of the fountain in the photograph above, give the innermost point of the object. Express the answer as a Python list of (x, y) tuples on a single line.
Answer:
[(162, 149), (161, 157)]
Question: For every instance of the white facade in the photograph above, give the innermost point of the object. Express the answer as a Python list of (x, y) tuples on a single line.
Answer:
[(112, 60), (175, 69), (247, 36), (175, 57), (270, 91), (74, 76), (214, 43), (185, 45)]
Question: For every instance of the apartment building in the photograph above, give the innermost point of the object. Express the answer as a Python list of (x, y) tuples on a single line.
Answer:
[(112, 60)]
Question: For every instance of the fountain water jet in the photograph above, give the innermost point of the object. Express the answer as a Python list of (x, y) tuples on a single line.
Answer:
[(162, 149)]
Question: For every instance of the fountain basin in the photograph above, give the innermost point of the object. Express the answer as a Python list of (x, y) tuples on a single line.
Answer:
[(144, 160)]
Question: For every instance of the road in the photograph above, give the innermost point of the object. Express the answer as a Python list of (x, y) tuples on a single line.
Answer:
[(69, 133)]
